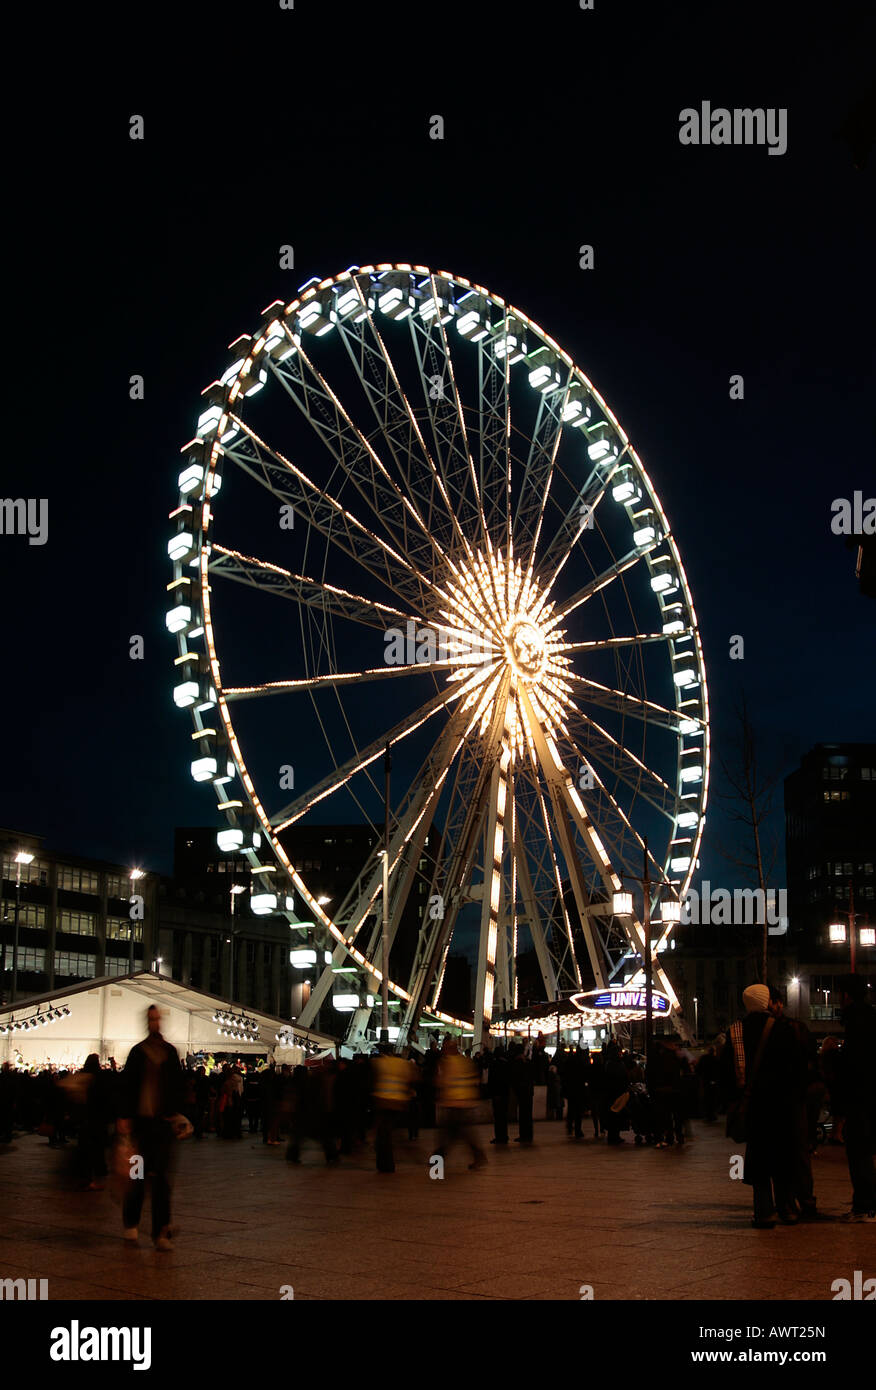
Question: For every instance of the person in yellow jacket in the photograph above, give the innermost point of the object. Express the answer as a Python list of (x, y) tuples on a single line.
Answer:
[(458, 1094), (391, 1092)]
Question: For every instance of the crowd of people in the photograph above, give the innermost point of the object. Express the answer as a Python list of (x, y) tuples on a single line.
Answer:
[(775, 1063)]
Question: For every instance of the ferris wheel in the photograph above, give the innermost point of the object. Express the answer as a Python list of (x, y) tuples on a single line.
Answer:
[(408, 521)]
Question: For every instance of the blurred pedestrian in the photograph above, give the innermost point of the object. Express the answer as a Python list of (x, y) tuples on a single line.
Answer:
[(458, 1094), (391, 1091), (93, 1119), (151, 1099)]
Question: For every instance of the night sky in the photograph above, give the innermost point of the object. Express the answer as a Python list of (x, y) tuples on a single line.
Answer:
[(265, 127)]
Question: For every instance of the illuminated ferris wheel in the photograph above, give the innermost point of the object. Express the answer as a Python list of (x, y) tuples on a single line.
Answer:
[(433, 535)]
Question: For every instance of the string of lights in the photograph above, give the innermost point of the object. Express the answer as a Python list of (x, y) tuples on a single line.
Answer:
[(239, 1026), (37, 1020)]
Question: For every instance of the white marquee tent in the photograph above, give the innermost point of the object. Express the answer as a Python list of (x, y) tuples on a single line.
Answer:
[(108, 1016)]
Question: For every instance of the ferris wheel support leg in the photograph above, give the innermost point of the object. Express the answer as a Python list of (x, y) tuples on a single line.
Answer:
[(318, 994), (493, 854), (536, 929)]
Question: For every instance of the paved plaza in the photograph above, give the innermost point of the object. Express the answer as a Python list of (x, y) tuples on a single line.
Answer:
[(536, 1223)]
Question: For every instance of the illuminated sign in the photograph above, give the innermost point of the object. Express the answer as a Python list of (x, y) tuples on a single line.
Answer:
[(624, 1002)]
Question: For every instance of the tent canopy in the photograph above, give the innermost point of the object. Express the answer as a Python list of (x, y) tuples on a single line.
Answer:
[(108, 1016)]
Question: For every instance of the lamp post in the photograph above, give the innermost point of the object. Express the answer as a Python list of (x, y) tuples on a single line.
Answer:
[(696, 1004), (670, 912), (837, 930), (232, 892), (134, 875), (384, 984), (22, 857)]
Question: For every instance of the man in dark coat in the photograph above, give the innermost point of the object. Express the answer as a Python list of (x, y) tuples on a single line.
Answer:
[(666, 1089), (615, 1084), (806, 1051), (498, 1087), (574, 1067), (523, 1085), (769, 1153), (857, 1071), (152, 1092)]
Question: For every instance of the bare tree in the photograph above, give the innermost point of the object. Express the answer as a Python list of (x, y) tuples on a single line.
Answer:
[(751, 802)]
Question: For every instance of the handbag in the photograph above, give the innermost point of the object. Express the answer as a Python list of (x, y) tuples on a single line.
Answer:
[(737, 1113)]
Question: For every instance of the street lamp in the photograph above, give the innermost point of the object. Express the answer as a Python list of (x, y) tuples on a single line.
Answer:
[(233, 891), (384, 960), (696, 1018), (837, 930), (622, 905), (22, 857), (134, 875)]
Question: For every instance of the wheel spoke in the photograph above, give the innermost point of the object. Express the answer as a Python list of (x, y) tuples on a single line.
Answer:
[(328, 598), (392, 509), (340, 776)]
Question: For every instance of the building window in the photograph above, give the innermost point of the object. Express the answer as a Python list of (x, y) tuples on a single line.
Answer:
[(35, 872), (118, 886), (117, 929), (75, 963), (29, 958), (835, 796), (866, 892), (868, 774), (76, 880), (79, 923), (29, 914)]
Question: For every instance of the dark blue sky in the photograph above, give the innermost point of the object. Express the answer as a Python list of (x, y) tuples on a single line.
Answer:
[(561, 129)]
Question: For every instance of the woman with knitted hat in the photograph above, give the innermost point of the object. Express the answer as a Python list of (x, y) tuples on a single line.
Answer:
[(761, 1051)]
